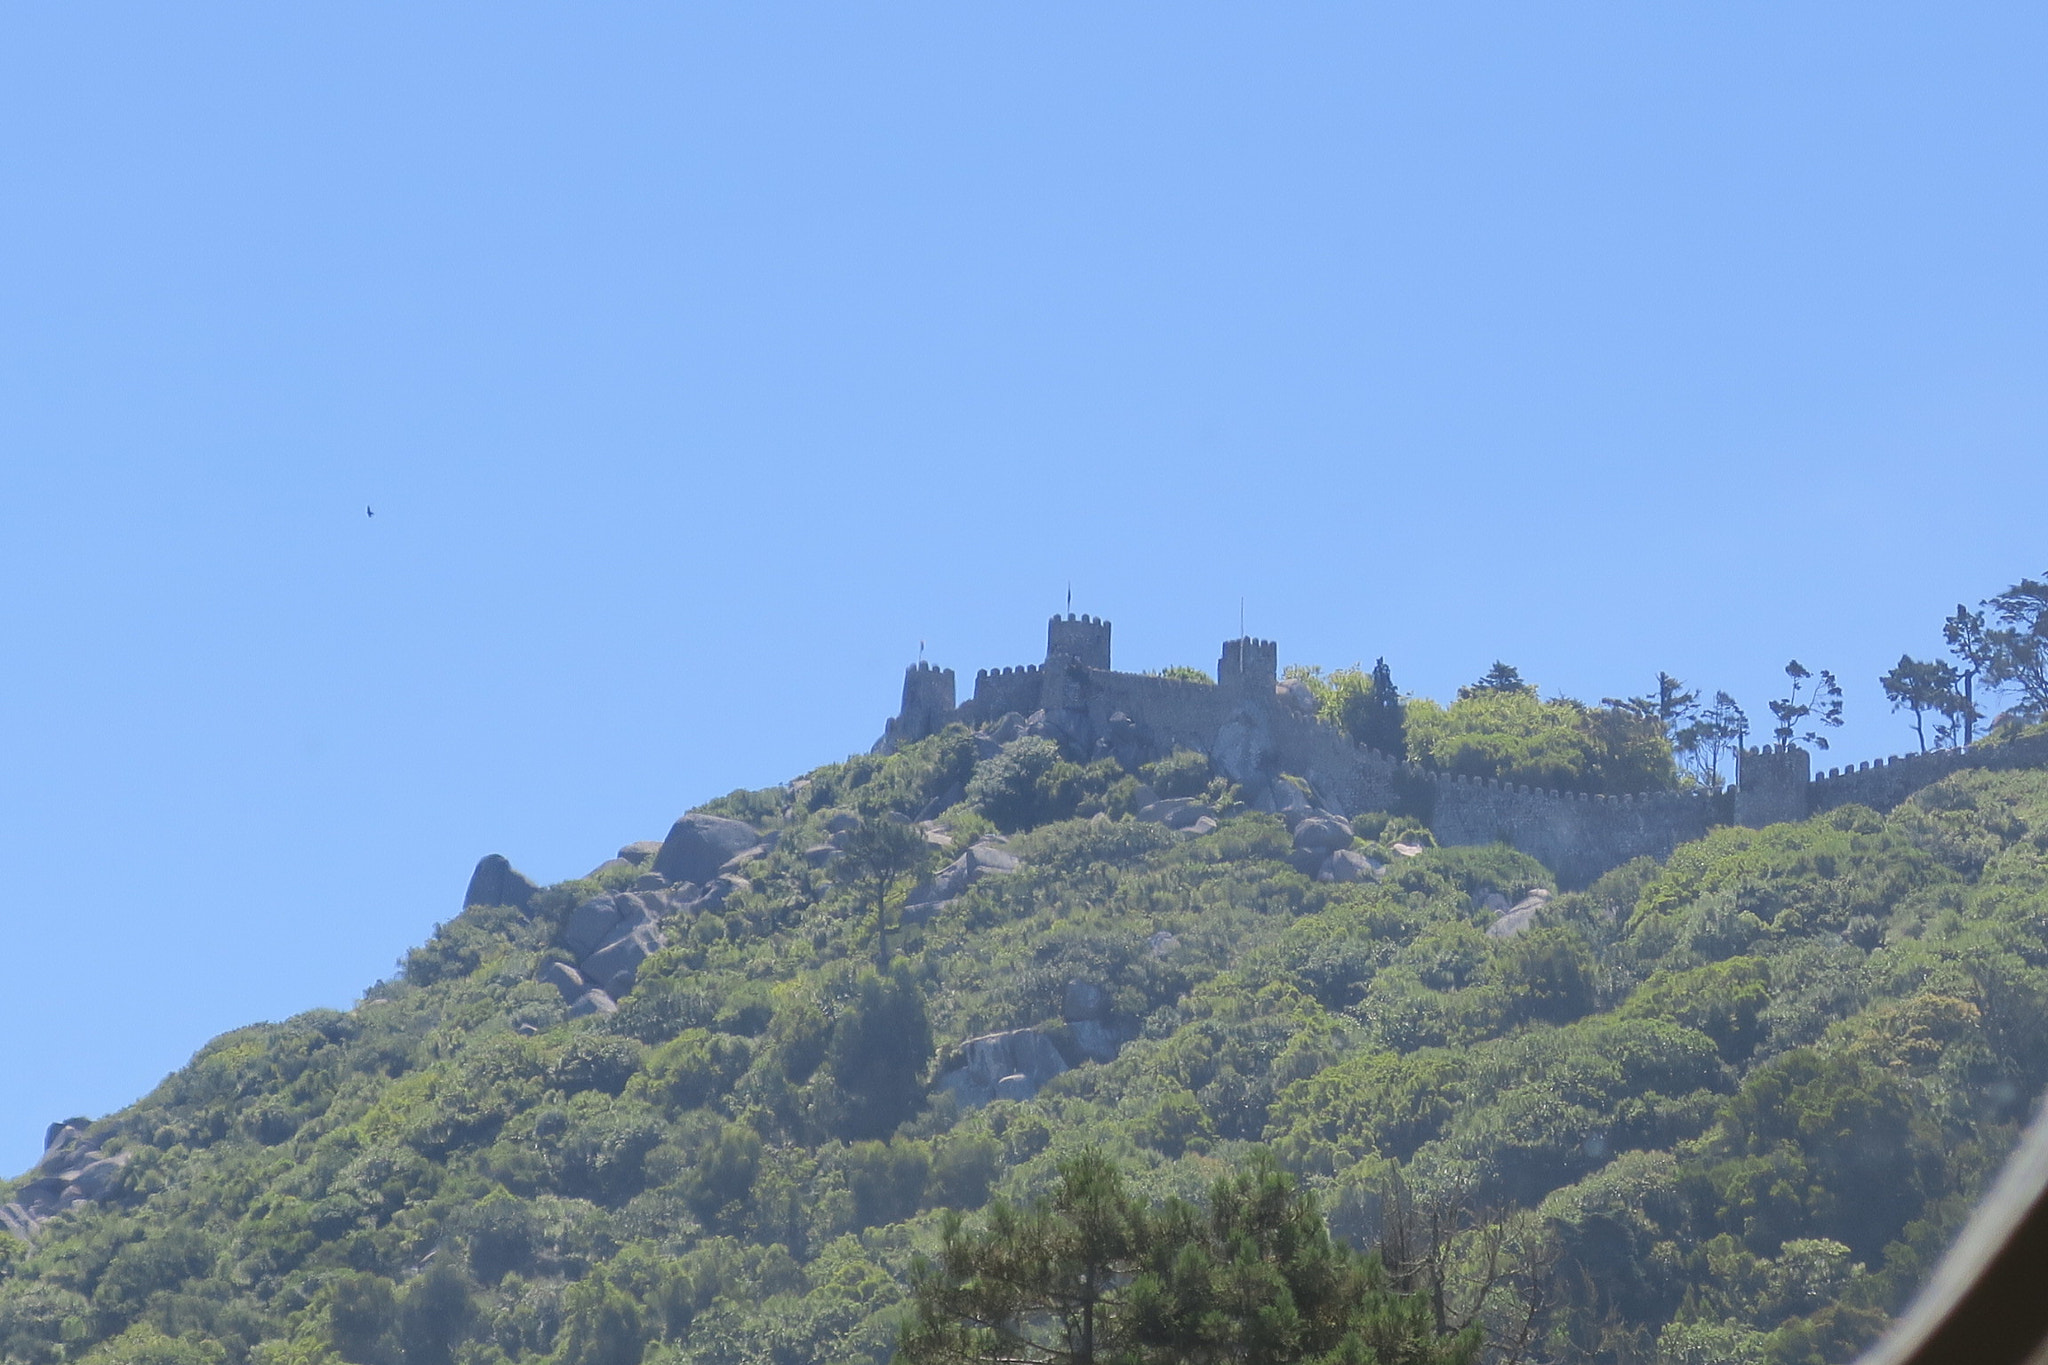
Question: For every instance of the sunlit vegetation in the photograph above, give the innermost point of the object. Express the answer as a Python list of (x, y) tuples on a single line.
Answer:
[(1729, 1108)]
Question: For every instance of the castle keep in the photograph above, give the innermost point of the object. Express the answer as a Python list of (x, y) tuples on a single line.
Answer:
[(1256, 730)]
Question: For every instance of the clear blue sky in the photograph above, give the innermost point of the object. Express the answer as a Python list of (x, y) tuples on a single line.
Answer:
[(699, 361)]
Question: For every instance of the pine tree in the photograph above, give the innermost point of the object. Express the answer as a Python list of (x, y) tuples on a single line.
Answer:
[(1091, 1275), (884, 857)]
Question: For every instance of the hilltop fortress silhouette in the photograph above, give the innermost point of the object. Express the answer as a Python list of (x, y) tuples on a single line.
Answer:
[(1258, 732)]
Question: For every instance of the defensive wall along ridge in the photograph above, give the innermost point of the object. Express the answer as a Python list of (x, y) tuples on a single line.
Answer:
[(1257, 730)]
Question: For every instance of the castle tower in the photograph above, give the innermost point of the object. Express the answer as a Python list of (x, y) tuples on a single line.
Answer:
[(1250, 666), (927, 702), (1082, 639), (1771, 786)]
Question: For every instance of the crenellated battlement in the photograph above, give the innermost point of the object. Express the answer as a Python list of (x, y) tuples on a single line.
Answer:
[(1770, 785), (1259, 741), (1082, 639), (927, 702), (1247, 662), (999, 691)]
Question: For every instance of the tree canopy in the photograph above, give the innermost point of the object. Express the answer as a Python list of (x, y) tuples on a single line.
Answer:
[(1089, 1274)]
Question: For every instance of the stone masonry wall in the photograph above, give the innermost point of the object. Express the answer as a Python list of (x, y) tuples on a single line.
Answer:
[(1254, 738), (1886, 782)]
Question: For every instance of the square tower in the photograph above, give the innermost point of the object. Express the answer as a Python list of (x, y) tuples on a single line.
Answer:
[(927, 702), (1770, 786), (1249, 665), (1082, 639)]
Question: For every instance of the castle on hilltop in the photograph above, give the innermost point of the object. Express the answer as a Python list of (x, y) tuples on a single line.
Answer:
[(1258, 730)]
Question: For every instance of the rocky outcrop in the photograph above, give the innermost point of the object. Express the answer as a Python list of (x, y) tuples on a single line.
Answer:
[(699, 845), (1517, 917), (1093, 1027), (496, 882), (1010, 1065), (615, 965), (952, 881), (1322, 833), (1177, 812), (1348, 865), (563, 978), (72, 1172), (610, 936)]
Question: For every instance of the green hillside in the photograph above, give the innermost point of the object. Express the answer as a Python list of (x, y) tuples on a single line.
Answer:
[(1728, 1108)]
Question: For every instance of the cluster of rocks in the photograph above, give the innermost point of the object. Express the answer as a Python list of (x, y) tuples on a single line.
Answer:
[(1513, 919), (699, 864), (987, 856), (73, 1171), (1189, 814), (1010, 1065), (611, 936), (1015, 1063), (707, 849), (1323, 840)]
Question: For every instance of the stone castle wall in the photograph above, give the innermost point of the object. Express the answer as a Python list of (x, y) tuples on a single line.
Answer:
[(1884, 783), (1254, 737)]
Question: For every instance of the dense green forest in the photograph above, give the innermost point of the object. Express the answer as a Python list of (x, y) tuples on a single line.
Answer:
[(1726, 1108)]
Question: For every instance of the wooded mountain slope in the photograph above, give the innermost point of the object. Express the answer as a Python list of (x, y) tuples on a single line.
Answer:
[(1728, 1108)]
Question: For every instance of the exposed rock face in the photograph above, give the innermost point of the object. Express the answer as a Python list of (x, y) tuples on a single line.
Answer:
[(615, 965), (1519, 916), (955, 877), (1243, 751), (698, 845), (611, 936), (590, 925), (1176, 812), (1348, 865), (1294, 694), (742, 858), (72, 1172), (1015, 1087), (1322, 832), (1099, 1040), (593, 1002), (641, 853), (565, 979), (1092, 1026), (495, 882), (1010, 1065)]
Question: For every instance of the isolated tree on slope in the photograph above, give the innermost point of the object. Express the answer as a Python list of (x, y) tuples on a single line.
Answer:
[(882, 859)]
